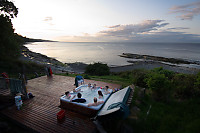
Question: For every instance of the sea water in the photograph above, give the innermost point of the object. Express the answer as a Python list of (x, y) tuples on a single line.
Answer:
[(107, 52)]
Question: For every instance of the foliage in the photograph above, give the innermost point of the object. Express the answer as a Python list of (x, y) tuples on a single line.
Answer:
[(9, 47), (126, 75), (86, 76), (160, 86), (184, 85), (167, 73), (139, 76), (8, 9), (99, 69), (174, 117), (9, 44), (13, 67), (197, 85)]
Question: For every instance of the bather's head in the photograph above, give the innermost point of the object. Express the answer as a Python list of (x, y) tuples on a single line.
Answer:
[(100, 93), (79, 95), (89, 85), (67, 93), (106, 87), (95, 100)]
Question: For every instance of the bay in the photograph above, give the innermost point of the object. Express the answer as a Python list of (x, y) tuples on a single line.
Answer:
[(107, 52)]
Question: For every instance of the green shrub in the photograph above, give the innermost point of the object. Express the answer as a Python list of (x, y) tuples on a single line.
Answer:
[(197, 85), (167, 73), (184, 85), (160, 86), (139, 76), (98, 69), (86, 76)]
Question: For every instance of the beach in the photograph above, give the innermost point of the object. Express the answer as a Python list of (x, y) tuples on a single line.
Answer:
[(78, 67)]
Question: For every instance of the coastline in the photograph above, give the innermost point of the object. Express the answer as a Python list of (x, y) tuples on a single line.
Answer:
[(78, 67), (29, 56), (152, 65)]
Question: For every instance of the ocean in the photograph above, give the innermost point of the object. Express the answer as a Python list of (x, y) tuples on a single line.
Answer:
[(108, 52)]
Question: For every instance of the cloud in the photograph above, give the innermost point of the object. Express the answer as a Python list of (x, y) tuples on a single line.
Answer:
[(115, 26), (187, 11), (132, 29), (146, 31), (167, 36), (48, 19), (178, 28)]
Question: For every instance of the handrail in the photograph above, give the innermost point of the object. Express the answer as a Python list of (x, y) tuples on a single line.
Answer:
[(15, 85)]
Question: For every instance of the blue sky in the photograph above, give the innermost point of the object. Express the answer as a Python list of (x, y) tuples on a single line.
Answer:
[(109, 20)]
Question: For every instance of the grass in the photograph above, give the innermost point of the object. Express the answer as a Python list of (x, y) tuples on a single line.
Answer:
[(109, 78), (173, 117)]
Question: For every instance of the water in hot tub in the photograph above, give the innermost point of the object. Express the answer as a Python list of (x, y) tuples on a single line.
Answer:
[(89, 94)]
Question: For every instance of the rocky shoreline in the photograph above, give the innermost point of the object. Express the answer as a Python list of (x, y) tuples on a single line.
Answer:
[(157, 58), (149, 62), (57, 66)]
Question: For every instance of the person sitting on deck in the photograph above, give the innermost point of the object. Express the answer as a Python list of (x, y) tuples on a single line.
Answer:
[(79, 80), (79, 99), (106, 90), (95, 102), (100, 94), (67, 95), (49, 72)]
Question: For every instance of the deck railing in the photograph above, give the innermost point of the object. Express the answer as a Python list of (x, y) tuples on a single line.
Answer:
[(15, 85), (3, 84)]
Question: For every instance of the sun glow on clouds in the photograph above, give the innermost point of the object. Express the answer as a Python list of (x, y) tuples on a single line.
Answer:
[(93, 20), (148, 30), (68, 17)]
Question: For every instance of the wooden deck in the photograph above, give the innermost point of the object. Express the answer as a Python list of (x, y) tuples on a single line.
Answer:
[(39, 113)]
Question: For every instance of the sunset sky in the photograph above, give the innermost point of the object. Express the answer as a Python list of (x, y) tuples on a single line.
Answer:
[(109, 20)]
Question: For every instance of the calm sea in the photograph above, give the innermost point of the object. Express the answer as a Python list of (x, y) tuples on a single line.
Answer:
[(70, 52)]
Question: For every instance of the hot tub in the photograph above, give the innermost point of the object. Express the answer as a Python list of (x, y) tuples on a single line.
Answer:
[(83, 108)]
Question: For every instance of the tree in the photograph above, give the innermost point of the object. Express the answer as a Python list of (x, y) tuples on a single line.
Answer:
[(8, 9), (9, 46)]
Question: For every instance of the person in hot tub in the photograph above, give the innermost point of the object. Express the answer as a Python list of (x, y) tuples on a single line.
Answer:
[(79, 99), (100, 94), (67, 95), (89, 85), (106, 90), (94, 87), (96, 103), (75, 91)]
